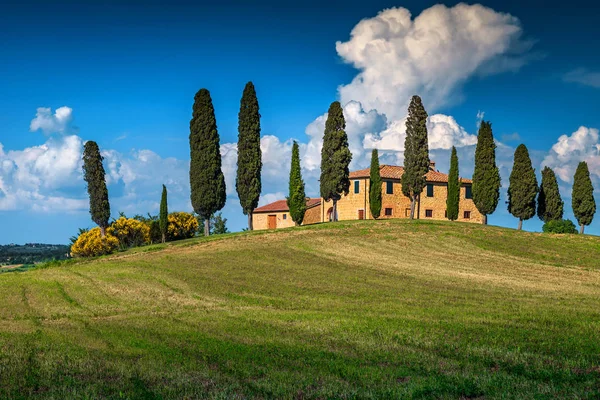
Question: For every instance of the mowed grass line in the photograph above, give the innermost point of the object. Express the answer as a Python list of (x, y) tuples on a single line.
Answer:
[(367, 309)]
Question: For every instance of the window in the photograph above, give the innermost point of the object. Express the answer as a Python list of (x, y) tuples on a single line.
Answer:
[(284, 216), (428, 213), (356, 186), (407, 212), (429, 190), (468, 192), (388, 212), (467, 214), (389, 187)]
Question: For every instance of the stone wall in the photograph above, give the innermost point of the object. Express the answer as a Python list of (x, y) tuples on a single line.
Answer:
[(312, 215), (261, 220)]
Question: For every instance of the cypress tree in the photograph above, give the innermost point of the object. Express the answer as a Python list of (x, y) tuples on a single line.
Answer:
[(375, 185), (486, 176), (249, 164), (335, 157), (453, 188), (583, 203), (94, 175), (296, 200), (550, 205), (523, 186), (416, 153), (206, 177), (164, 214)]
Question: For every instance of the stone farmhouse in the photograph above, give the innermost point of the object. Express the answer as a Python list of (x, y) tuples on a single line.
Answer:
[(355, 205)]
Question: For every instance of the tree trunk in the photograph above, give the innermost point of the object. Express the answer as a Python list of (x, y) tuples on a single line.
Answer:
[(419, 206), (484, 221), (250, 227), (334, 217), (207, 227), (581, 227), (164, 239), (412, 208), (102, 231), (520, 224)]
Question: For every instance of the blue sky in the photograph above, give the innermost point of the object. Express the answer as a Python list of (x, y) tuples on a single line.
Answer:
[(126, 73)]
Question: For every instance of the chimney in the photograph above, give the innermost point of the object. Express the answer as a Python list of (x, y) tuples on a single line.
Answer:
[(432, 165)]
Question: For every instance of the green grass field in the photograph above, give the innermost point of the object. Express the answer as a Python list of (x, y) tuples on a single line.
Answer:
[(362, 309)]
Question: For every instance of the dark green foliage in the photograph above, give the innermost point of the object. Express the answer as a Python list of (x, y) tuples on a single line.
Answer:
[(335, 157), (582, 200), (416, 152), (453, 188), (94, 175), (164, 215), (523, 186), (486, 176), (219, 225), (559, 226), (206, 177), (249, 163), (296, 200), (375, 185), (550, 205), (153, 222)]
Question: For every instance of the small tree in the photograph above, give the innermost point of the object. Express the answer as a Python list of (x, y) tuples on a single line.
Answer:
[(94, 175), (164, 214), (335, 157), (207, 182), (550, 205), (486, 176), (296, 200), (249, 164), (375, 185), (583, 202), (219, 225), (452, 201), (523, 186), (416, 153)]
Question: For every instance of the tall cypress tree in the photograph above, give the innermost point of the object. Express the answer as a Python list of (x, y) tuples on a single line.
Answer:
[(375, 185), (486, 176), (164, 214), (453, 188), (416, 153), (297, 196), (206, 177), (523, 186), (249, 164), (335, 157), (94, 175), (550, 205), (583, 202)]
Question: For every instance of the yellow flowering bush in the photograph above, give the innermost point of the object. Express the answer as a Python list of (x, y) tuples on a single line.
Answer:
[(130, 232), (182, 225), (90, 244)]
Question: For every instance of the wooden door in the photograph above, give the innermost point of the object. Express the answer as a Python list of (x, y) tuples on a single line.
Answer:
[(272, 221), (361, 214)]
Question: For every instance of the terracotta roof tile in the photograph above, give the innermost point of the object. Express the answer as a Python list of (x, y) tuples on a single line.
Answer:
[(395, 172), (281, 205)]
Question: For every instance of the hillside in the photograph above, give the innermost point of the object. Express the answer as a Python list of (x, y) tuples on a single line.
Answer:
[(384, 309)]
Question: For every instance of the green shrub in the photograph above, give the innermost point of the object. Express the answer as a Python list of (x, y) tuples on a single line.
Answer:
[(559, 226), (182, 225)]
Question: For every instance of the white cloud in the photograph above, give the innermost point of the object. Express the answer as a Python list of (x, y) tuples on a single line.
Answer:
[(569, 150), (431, 55), (48, 123), (583, 76)]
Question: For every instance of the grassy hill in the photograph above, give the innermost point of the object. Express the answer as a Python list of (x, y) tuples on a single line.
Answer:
[(387, 309)]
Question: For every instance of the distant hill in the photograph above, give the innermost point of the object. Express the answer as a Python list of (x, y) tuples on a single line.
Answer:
[(31, 253), (359, 309)]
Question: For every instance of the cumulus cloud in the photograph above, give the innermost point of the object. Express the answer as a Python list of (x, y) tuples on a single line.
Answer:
[(584, 77), (48, 123), (569, 150), (431, 55)]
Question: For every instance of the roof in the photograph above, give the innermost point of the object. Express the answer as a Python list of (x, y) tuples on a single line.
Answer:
[(281, 205), (395, 172)]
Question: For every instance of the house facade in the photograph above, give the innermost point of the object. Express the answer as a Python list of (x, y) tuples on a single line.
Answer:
[(355, 205), (277, 215)]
